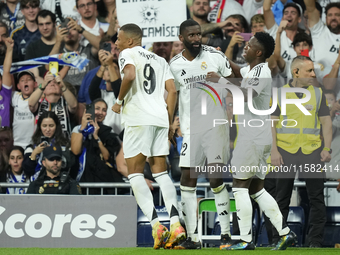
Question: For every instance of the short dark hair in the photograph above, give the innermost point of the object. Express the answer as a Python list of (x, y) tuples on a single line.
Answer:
[(242, 19), (329, 91), (294, 5), (132, 29), (4, 25), (24, 3), (331, 5), (187, 23), (267, 42), (99, 100), (78, 1), (44, 14), (302, 37)]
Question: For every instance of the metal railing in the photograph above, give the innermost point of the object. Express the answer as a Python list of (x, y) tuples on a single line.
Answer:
[(116, 186)]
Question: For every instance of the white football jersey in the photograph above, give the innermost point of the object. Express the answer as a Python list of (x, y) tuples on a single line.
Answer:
[(190, 81), (259, 79), (144, 104), (23, 120), (287, 50), (326, 47)]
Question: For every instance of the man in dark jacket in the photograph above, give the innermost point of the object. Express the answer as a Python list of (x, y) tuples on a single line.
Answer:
[(52, 180)]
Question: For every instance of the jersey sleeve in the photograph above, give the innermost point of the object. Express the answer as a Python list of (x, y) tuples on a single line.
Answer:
[(317, 29), (224, 66), (167, 74), (259, 80), (272, 31), (125, 58)]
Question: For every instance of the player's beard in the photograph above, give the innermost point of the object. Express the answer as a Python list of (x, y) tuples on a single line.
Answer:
[(194, 51)]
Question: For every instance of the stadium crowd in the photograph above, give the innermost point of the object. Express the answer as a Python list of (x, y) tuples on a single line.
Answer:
[(70, 111)]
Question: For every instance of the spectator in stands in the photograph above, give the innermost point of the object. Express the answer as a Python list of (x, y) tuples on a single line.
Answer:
[(15, 173), (87, 10), (162, 49), (57, 98), (11, 14), (305, 146), (332, 173), (224, 8), (257, 23), (68, 40), (6, 144), (105, 9), (48, 133), (325, 36), (46, 21), (109, 73), (200, 10), (177, 47), (302, 44), (236, 24), (51, 180), (28, 32), (83, 94), (97, 147), (3, 35), (62, 8), (6, 85), (292, 14)]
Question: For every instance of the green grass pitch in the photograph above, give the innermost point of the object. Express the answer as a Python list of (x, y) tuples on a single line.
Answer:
[(144, 251)]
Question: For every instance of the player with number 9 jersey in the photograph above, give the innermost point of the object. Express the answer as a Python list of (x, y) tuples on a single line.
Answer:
[(144, 104)]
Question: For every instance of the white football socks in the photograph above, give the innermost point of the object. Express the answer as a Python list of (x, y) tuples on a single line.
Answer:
[(143, 197), (270, 208), (244, 212), (223, 207), (169, 195), (189, 209)]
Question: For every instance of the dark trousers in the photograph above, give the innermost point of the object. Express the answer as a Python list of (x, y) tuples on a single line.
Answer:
[(314, 186)]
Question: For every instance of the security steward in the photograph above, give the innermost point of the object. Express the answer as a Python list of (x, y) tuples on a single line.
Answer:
[(52, 180), (298, 146)]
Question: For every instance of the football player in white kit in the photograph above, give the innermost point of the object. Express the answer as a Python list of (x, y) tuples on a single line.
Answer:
[(253, 146), (201, 141), (146, 117)]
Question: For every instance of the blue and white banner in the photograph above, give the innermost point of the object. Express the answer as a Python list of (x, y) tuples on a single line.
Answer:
[(65, 59)]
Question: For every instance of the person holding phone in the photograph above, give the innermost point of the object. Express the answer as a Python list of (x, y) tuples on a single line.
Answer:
[(48, 133), (96, 146), (57, 98)]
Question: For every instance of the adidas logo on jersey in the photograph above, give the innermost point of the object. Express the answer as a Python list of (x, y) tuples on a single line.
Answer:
[(23, 41), (218, 157), (183, 72)]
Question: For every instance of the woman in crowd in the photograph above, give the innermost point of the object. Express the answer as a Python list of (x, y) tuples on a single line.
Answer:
[(48, 133), (14, 171), (94, 138)]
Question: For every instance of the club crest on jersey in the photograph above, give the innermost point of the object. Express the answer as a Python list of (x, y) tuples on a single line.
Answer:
[(254, 81), (1, 97), (309, 107), (204, 66)]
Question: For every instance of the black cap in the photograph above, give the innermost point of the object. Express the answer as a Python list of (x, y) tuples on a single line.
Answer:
[(52, 152), (26, 72)]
